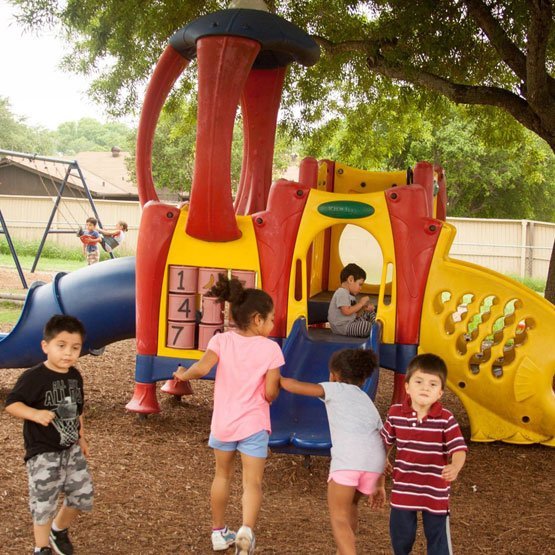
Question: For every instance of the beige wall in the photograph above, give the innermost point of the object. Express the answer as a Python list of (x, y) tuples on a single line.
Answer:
[(519, 247)]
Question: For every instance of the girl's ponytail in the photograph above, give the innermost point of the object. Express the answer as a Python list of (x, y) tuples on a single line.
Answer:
[(245, 303)]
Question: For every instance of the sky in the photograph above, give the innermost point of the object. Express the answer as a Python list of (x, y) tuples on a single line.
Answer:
[(38, 90)]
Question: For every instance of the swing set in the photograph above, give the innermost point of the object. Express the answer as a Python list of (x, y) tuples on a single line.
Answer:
[(72, 224)]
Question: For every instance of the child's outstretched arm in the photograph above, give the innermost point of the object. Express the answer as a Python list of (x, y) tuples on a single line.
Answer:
[(25, 412), (302, 388), (451, 471), (199, 369), (273, 377)]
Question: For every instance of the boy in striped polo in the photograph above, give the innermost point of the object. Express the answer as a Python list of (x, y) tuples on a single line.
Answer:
[(430, 454)]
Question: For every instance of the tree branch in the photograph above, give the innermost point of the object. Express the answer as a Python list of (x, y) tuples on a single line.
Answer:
[(366, 47), (518, 107), (540, 85), (507, 50)]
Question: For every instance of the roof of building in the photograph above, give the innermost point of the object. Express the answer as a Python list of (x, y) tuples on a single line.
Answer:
[(106, 176)]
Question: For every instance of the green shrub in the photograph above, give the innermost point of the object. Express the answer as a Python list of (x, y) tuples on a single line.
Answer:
[(536, 284)]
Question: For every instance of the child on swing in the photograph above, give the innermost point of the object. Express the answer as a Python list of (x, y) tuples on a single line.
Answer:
[(247, 381), (90, 239), (113, 239)]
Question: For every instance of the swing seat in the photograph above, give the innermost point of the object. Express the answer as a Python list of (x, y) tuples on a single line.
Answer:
[(109, 243)]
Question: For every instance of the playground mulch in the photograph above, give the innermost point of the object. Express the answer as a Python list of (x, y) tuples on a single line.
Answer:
[(152, 480)]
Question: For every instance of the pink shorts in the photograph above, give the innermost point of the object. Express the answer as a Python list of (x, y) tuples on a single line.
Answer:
[(363, 481)]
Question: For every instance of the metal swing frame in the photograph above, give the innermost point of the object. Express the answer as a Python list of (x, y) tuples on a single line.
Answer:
[(6, 232), (71, 165)]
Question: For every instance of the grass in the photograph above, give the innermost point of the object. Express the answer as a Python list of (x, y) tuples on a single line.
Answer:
[(44, 265), (9, 312), (54, 258)]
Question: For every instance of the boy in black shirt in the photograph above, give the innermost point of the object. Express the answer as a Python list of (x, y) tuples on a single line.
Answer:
[(49, 398)]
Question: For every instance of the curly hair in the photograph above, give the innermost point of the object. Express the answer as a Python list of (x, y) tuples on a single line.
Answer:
[(353, 366)]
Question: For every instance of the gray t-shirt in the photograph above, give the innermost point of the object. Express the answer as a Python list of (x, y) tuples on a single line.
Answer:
[(355, 426), (338, 321)]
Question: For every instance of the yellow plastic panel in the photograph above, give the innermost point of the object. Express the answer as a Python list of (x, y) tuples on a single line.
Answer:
[(185, 250), (317, 264), (350, 180), (496, 337), (313, 223)]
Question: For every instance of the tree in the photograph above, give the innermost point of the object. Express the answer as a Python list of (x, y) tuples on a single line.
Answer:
[(16, 135), (475, 52), (88, 134)]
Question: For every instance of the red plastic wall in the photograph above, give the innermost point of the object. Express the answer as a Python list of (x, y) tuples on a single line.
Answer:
[(424, 176), (415, 237), (158, 223), (259, 106), (224, 63), (276, 232), (169, 67)]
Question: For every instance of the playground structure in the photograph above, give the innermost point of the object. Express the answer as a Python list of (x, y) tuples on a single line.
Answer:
[(286, 238)]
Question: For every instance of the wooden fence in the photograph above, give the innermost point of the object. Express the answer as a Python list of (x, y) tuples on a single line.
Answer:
[(519, 247)]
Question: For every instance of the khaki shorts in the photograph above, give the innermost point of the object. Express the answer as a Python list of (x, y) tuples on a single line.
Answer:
[(51, 474)]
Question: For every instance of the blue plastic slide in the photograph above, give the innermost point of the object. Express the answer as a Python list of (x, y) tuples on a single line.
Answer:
[(300, 423), (102, 296)]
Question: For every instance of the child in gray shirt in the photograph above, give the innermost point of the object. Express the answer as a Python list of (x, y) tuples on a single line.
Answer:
[(344, 307), (357, 453)]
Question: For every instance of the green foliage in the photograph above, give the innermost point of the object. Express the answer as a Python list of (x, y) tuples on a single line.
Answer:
[(174, 147), (70, 138), (16, 135), (495, 168), (88, 134)]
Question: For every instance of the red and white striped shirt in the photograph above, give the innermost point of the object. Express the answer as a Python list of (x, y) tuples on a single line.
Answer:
[(423, 449)]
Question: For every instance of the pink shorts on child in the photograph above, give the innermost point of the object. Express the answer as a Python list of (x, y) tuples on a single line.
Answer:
[(363, 481)]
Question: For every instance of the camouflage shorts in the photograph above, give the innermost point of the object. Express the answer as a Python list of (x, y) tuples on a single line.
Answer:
[(58, 472), (93, 257)]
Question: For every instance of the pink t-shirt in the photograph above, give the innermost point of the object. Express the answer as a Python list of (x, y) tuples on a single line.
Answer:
[(240, 406)]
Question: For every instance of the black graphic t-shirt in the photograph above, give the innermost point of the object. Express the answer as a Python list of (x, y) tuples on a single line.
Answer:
[(61, 393)]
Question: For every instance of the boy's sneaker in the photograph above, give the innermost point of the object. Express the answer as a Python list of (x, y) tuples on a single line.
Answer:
[(60, 542), (43, 551), (245, 541), (222, 539)]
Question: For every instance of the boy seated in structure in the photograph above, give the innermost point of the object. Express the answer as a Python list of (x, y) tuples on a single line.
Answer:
[(346, 314)]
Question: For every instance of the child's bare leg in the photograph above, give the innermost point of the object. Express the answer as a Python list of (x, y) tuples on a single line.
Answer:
[(219, 493), (42, 534), (340, 503), (65, 517), (253, 472), (354, 511)]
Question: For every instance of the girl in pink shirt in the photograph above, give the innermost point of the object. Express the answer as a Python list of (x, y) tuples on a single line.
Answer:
[(247, 381)]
